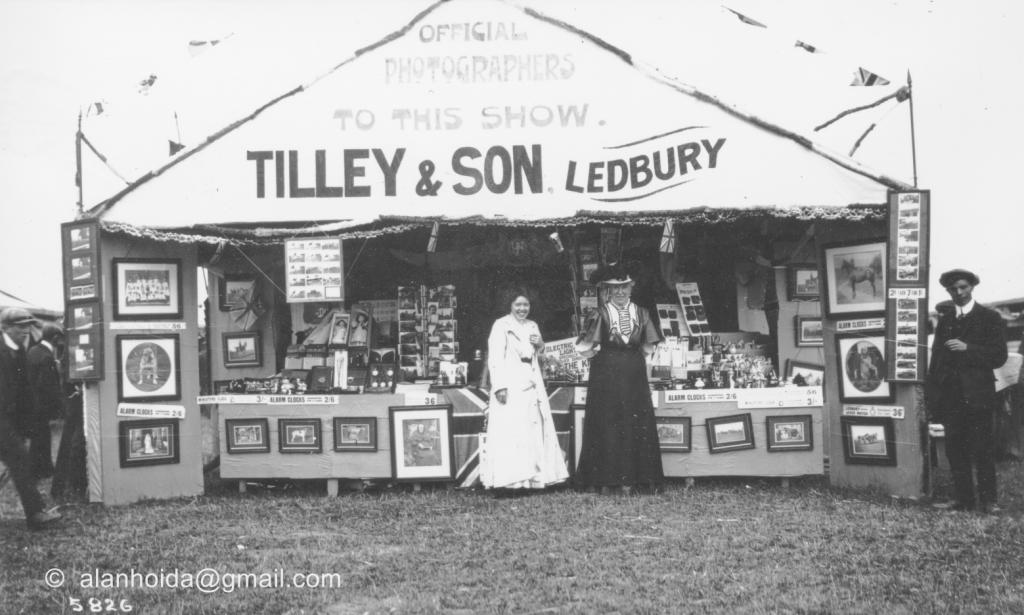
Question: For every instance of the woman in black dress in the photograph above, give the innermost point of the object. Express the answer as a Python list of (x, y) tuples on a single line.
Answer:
[(620, 438)]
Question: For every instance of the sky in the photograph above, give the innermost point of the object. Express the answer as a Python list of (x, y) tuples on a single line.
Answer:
[(58, 56)]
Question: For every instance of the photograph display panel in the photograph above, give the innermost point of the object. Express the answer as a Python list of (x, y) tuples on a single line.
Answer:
[(80, 242), (147, 288), (674, 434), (148, 367), (789, 433), (83, 335), (803, 282), (355, 434), (314, 270), (148, 442), (421, 443), (729, 433), (247, 435), (862, 368), (810, 331), (855, 278), (868, 441)]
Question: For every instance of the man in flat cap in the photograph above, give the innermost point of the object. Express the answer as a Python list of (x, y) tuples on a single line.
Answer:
[(970, 342), (15, 414)]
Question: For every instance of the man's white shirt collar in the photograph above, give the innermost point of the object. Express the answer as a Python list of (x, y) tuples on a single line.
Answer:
[(965, 310), (9, 342)]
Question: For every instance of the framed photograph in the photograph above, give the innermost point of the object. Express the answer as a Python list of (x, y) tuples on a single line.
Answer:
[(729, 433), (805, 374), (810, 331), (674, 434), (868, 441), (148, 442), (299, 436), (148, 367), (854, 278), (80, 243), (355, 434), (421, 443), (147, 288), (242, 349), (235, 291), (802, 283), (789, 433), (862, 369), (247, 435)]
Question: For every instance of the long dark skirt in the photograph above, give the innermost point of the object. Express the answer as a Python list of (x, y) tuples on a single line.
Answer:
[(620, 438)]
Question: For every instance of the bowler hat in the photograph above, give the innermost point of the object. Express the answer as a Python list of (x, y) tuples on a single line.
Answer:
[(17, 316), (950, 277)]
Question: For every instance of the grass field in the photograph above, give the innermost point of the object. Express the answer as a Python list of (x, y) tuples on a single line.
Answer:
[(722, 546)]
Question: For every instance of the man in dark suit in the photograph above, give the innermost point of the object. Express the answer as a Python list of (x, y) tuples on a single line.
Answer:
[(44, 382), (970, 342), (15, 404)]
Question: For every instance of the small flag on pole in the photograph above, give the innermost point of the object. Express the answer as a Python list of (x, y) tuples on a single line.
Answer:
[(745, 19), (668, 237), (863, 76), (432, 244), (197, 47), (174, 147)]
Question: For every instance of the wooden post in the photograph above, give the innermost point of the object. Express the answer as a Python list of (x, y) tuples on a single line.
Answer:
[(241, 486), (332, 487)]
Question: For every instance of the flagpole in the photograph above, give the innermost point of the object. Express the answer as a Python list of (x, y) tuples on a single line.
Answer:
[(913, 140), (78, 161)]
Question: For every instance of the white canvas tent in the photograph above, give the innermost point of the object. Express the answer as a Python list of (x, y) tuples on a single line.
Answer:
[(580, 106)]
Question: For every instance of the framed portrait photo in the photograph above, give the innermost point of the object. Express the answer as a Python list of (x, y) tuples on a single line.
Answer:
[(242, 349), (789, 433), (148, 367), (235, 291), (299, 436), (148, 442), (147, 288), (854, 278), (729, 433), (862, 369), (355, 434), (802, 282), (674, 434), (868, 441), (421, 443), (810, 331), (809, 374), (247, 436)]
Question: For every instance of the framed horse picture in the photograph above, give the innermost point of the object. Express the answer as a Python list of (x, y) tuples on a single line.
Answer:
[(854, 278)]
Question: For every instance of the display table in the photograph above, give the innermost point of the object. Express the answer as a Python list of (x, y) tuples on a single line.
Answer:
[(568, 411), (757, 461)]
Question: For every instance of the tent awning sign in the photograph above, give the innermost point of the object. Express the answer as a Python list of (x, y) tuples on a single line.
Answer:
[(499, 114)]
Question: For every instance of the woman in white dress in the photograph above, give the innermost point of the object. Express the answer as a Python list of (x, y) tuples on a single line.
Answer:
[(521, 449)]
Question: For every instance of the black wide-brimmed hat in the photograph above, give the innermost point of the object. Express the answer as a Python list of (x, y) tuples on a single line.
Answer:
[(950, 277), (614, 273)]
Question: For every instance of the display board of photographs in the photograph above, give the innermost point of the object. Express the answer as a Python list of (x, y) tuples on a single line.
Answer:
[(81, 255), (315, 269), (907, 334), (907, 297), (693, 312), (84, 336), (909, 215), (427, 328), (671, 319)]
